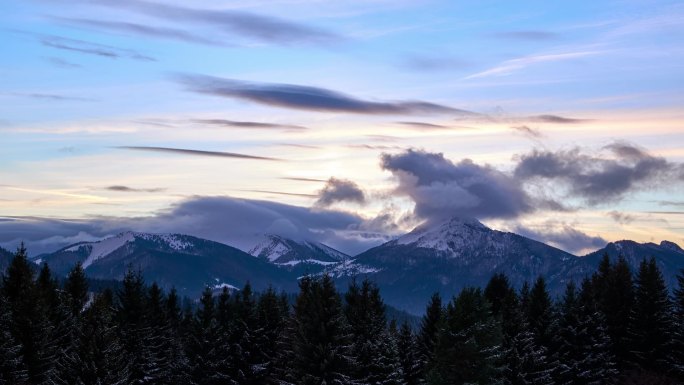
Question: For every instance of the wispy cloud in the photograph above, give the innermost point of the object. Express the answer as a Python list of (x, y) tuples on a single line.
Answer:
[(183, 151), (53, 97), (432, 126), (142, 30), (245, 24), (282, 193), (58, 62), (528, 131), (89, 48), (509, 66), (121, 188), (303, 179), (555, 119), (246, 124), (306, 98), (530, 35)]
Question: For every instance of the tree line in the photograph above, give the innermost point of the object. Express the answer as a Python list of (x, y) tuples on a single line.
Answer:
[(615, 327)]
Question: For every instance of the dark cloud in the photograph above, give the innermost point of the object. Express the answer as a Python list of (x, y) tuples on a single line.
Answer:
[(89, 48), (563, 236), (53, 97), (528, 131), (58, 62), (599, 178), (120, 188), (555, 119), (526, 35), (233, 221), (244, 124), (183, 151), (621, 218), (306, 98), (249, 25), (142, 30), (441, 188), (340, 190)]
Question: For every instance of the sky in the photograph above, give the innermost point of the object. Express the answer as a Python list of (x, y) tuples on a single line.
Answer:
[(346, 122)]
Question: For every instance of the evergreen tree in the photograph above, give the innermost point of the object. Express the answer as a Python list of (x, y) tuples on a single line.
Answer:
[(11, 365), (133, 327), (76, 289), (651, 322), (616, 299), (408, 355), (208, 363), (469, 344), (318, 338), (678, 335), (376, 355), (271, 319), (428, 334)]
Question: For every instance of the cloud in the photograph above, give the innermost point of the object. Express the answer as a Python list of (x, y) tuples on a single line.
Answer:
[(434, 63), (340, 190), (530, 35), (183, 151), (303, 179), (599, 178), (58, 62), (423, 125), (442, 189), (229, 220), (53, 97), (621, 218), (283, 193), (306, 98), (142, 30), (244, 124), (249, 25), (120, 188), (563, 236), (555, 119), (528, 131), (509, 66), (89, 48)]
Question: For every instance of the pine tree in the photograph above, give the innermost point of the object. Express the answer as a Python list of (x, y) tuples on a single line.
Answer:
[(428, 334), (678, 335), (469, 344), (408, 355), (376, 355), (616, 299), (11, 365), (271, 318), (651, 322), (133, 329), (76, 288), (318, 341), (208, 364)]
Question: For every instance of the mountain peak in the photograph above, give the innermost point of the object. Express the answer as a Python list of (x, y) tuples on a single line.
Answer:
[(283, 251), (671, 246)]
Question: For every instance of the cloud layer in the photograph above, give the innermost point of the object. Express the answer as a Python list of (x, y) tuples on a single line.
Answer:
[(306, 98)]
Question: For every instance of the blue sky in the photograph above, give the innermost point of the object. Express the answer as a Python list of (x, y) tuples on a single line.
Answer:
[(101, 99)]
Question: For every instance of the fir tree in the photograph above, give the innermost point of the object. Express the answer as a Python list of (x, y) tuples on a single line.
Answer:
[(469, 344), (616, 299), (377, 360), (651, 323), (76, 288), (318, 337), (408, 355), (11, 365), (428, 334), (678, 335)]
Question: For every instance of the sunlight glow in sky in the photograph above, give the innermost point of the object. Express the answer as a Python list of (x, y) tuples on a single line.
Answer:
[(100, 99)]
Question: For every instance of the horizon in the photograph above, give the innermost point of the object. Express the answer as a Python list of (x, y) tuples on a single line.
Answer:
[(347, 124)]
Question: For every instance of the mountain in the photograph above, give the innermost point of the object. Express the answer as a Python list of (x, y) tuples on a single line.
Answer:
[(461, 252), (185, 262), (286, 252), (669, 256)]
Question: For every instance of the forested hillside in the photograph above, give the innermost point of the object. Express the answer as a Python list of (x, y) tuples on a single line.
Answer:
[(617, 327)]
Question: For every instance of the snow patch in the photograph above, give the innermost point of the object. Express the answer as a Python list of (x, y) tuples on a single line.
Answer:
[(107, 246)]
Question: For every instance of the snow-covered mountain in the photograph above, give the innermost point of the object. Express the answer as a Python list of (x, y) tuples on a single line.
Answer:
[(288, 252), (185, 262), (447, 256), (669, 256)]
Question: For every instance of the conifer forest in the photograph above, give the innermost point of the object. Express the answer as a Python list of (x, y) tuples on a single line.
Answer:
[(615, 327)]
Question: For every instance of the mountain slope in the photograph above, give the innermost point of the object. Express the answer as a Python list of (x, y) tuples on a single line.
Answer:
[(463, 252), (297, 256), (669, 256), (185, 262)]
